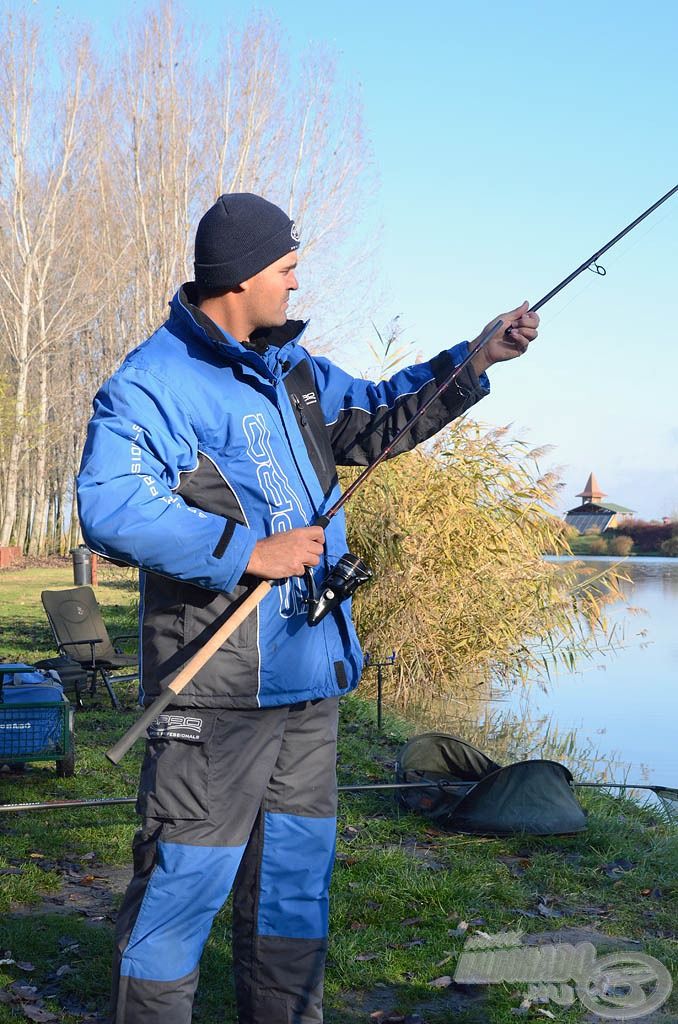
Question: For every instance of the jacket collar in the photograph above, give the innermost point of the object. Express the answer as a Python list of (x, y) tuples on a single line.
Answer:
[(273, 345)]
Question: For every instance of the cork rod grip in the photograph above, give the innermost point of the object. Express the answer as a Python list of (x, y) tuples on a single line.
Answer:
[(190, 669)]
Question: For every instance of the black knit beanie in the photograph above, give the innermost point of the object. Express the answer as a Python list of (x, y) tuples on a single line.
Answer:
[(239, 236)]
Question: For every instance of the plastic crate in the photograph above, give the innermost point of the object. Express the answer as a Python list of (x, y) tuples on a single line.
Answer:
[(36, 719)]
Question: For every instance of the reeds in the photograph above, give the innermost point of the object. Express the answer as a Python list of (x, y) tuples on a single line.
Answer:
[(456, 534)]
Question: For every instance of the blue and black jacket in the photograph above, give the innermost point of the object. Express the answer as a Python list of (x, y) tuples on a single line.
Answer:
[(198, 447)]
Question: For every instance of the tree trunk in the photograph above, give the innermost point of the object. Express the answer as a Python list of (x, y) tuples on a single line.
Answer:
[(37, 541), (16, 450)]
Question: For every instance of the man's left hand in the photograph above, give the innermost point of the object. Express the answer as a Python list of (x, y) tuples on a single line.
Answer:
[(503, 345)]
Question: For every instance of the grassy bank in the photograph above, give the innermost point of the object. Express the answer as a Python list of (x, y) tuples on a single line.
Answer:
[(587, 545), (405, 896)]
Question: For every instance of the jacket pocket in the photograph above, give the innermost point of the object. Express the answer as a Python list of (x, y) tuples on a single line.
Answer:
[(174, 784), (204, 608)]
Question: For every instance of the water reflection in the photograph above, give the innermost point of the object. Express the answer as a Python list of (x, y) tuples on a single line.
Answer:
[(626, 702), (622, 704)]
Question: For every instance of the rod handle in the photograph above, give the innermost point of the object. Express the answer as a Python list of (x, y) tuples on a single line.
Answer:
[(190, 669), (136, 731)]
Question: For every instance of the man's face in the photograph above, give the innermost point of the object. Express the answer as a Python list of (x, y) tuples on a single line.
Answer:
[(267, 293)]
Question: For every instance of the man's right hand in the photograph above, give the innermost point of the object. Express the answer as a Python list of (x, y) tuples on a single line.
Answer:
[(287, 554)]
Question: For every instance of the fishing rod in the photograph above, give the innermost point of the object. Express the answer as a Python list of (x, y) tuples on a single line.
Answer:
[(592, 262), (666, 794), (50, 805), (350, 571)]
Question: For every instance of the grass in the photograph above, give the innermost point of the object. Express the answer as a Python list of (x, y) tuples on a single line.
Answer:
[(405, 896)]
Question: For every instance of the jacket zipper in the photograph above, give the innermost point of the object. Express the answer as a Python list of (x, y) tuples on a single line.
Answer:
[(303, 422), (305, 426)]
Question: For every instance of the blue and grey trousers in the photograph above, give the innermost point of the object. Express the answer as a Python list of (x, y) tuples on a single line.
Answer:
[(242, 800)]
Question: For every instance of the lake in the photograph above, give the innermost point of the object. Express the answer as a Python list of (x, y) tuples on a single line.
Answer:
[(626, 702)]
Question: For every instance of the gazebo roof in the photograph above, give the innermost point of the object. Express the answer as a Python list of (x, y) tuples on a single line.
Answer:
[(592, 489)]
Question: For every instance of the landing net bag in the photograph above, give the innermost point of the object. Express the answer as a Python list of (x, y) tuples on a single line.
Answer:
[(472, 793)]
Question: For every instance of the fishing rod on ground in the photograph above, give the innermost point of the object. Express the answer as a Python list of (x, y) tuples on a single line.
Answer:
[(667, 795), (350, 572)]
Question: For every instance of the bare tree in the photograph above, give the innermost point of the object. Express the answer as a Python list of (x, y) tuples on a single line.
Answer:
[(102, 182)]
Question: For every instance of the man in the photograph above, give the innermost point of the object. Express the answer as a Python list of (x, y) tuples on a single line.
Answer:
[(210, 451)]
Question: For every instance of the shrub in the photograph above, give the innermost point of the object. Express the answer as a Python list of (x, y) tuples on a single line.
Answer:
[(454, 534), (670, 547), (647, 536), (620, 545), (598, 546)]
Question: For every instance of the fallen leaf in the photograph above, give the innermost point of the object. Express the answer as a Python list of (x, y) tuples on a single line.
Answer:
[(24, 991), (461, 929), (546, 911), (64, 969), (367, 956), (443, 982), (67, 943), (617, 867), (409, 921), (357, 926), (24, 965), (37, 1013), (516, 865), (7, 960), (36, 856), (589, 910), (378, 1015), (547, 1013)]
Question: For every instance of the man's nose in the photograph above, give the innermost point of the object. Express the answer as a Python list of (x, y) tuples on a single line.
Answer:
[(293, 283)]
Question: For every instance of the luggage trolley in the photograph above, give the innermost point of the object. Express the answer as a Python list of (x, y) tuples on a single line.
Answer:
[(36, 718)]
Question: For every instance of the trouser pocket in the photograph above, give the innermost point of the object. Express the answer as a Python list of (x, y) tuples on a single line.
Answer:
[(174, 784)]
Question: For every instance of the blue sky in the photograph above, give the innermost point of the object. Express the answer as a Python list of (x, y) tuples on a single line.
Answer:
[(510, 142)]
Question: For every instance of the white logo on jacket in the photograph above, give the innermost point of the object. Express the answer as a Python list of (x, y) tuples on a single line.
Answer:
[(281, 499)]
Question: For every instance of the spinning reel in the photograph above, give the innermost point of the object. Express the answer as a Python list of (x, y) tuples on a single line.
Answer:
[(341, 582)]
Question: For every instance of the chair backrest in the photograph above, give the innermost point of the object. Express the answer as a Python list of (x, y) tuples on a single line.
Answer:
[(74, 616)]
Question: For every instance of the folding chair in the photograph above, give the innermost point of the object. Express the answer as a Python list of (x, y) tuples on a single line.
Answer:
[(80, 633)]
